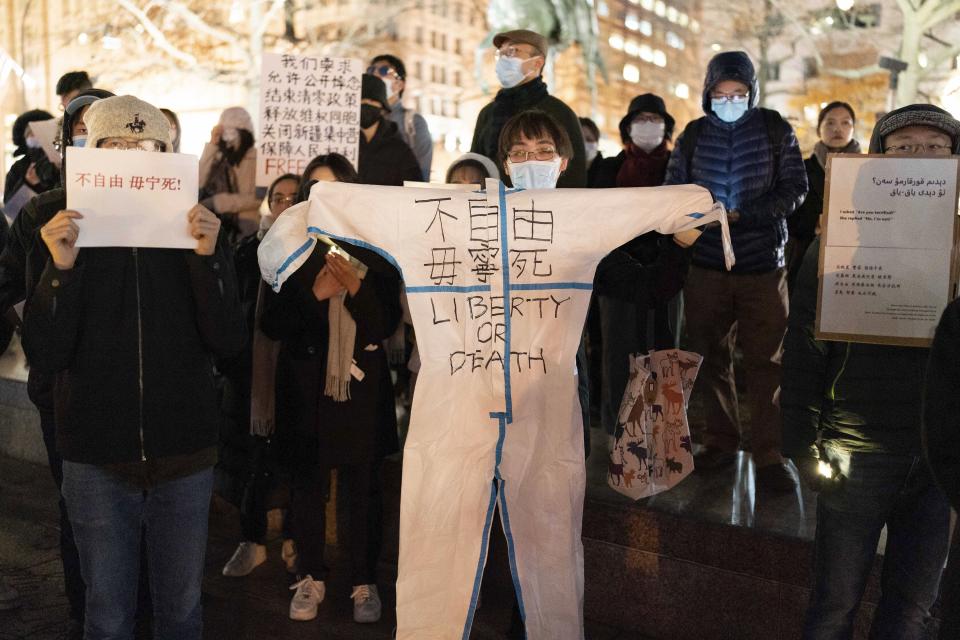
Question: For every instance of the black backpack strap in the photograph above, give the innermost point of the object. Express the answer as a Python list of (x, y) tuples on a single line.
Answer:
[(688, 143), (776, 129)]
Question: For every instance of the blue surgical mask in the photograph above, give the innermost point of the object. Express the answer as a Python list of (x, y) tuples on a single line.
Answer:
[(510, 71), (33, 143), (535, 174), (79, 141), (728, 111)]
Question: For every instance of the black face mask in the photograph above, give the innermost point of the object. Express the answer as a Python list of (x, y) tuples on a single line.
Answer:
[(369, 114)]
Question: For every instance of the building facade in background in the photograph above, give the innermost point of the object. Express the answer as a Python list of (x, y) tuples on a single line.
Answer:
[(199, 57)]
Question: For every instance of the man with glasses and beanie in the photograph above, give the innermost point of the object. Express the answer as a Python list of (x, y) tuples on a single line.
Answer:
[(129, 335), (750, 161), (413, 128), (521, 56), (855, 411)]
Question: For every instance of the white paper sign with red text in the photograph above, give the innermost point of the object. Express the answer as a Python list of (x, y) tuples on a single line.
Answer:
[(132, 198)]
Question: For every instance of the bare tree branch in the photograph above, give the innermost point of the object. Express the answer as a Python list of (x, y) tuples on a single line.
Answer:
[(158, 38), (944, 12), (199, 24)]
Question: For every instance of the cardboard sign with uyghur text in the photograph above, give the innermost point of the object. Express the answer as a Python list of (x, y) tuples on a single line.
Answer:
[(132, 198), (888, 251)]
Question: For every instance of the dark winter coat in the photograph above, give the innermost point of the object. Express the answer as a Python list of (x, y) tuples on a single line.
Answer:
[(735, 161), (323, 430), (525, 97), (47, 173), (130, 334), (861, 397), (387, 159), (941, 405)]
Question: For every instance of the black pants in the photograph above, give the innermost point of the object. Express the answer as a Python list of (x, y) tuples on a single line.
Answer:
[(358, 493), (72, 581), (261, 482)]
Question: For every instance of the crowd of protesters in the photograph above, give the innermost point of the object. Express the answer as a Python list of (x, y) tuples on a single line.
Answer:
[(152, 367)]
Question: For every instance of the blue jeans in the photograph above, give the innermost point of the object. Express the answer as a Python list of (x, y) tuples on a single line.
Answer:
[(107, 514), (874, 490)]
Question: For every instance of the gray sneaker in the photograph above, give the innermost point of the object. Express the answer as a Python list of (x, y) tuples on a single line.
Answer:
[(366, 603)]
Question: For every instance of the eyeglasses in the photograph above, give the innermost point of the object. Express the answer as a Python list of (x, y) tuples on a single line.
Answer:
[(383, 71), (511, 51), (735, 98), (522, 155), (130, 145), (910, 149), (281, 199)]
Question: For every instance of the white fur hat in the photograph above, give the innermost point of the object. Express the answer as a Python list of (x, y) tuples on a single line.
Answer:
[(236, 118)]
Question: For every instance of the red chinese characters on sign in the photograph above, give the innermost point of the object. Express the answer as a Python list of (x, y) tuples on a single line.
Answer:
[(136, 182)]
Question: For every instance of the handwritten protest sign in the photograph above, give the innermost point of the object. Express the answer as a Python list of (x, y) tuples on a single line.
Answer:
[(887, 255), (132, 198), (309, 105)]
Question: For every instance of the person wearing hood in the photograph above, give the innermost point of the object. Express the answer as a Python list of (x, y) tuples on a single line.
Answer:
[(521, 56), (835, 126), (32, 168), (413, 127), (750, 161), (228, 174), (384, 157), (853, 411), (21, 264), (137, 423), (638, 285)]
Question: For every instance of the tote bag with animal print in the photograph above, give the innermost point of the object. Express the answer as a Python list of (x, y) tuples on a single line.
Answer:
[(651, 450)]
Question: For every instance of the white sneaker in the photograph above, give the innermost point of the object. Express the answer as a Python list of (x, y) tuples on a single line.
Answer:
[(247, 557), (309, 594), (9, 597), (366, 603), (288, 552)]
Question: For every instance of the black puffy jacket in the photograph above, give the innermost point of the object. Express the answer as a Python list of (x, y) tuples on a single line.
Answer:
[(735, 161)]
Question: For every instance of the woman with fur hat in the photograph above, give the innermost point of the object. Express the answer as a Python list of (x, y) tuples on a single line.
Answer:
[(129, 335), (228, 174)]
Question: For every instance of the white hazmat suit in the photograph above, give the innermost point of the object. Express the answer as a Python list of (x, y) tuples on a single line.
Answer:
[(498, 285)]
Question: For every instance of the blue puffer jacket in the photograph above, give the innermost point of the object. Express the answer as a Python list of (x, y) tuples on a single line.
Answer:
[(735, 162)]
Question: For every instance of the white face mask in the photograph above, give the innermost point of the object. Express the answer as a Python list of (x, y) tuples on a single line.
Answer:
[(592, 149), (230, 135), (535, 174), (647, 135), (510, 71)]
